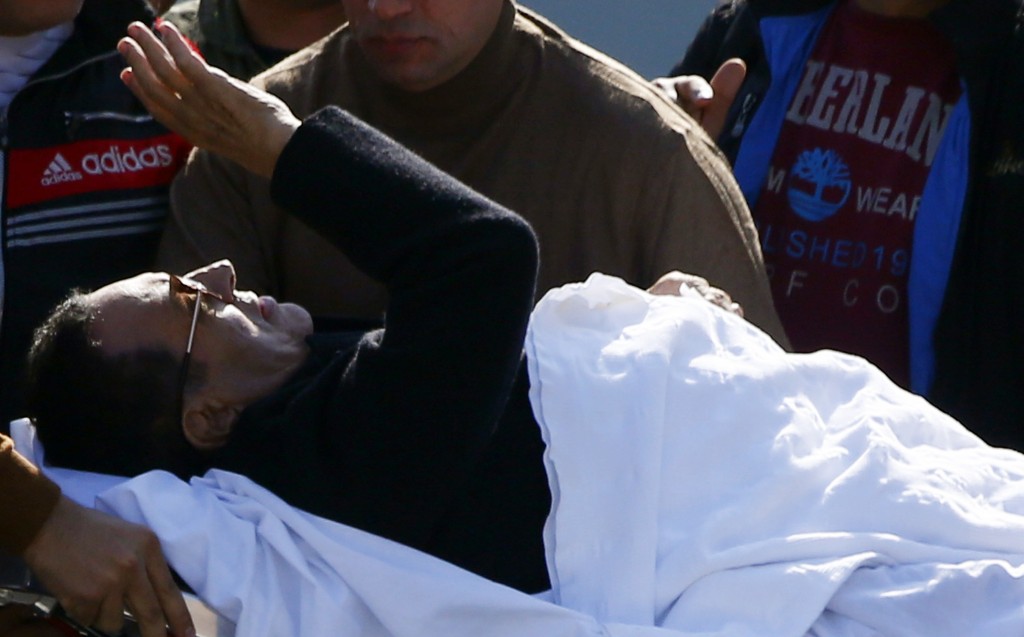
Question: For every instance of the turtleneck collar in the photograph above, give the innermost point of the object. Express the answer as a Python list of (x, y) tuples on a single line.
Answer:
[(21, 57), (475, 95)]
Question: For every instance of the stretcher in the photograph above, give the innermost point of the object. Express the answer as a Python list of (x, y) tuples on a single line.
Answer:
[(704, 482)]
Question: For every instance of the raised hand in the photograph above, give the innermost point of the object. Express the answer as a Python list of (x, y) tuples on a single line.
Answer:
[(203, 104)]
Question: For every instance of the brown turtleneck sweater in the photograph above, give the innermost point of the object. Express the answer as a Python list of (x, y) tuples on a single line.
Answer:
[(612, 177)]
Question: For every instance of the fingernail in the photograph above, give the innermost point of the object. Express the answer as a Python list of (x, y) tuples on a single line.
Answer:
[(703, 92)]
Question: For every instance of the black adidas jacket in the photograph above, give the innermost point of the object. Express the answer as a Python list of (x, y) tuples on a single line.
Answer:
[(84, 172)]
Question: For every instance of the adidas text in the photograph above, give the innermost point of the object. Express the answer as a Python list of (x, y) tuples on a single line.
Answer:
[(60, 178), (114, 161)]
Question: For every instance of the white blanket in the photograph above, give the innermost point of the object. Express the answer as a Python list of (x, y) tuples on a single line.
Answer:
[(270, 570), (708, 482), (705, 483)]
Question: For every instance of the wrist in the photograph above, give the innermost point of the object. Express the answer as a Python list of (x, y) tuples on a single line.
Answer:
[(276, 140), (48, 530), (27, 492)]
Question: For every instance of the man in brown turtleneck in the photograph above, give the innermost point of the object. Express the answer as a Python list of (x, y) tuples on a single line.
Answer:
[(611, 175)]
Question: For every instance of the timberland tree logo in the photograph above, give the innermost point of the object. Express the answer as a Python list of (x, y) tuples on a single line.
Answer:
[(59, 171), (819, 184)]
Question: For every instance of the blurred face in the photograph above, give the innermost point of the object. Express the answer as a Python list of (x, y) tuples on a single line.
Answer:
[(419, 44), (249, 344), (22, 17)]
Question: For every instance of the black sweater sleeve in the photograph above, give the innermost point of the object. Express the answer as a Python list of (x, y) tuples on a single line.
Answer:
[(399, 425)]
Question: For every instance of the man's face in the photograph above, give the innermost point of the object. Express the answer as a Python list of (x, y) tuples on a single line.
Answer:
[(22, 17), (419, 44), (249, 345)]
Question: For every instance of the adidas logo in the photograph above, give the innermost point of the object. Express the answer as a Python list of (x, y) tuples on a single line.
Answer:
[(115, 161), (59, 171), (112, 162)]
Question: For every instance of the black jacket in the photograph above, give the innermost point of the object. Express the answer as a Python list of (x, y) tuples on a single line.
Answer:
[(978, 339), (84, 173), (409, 431)]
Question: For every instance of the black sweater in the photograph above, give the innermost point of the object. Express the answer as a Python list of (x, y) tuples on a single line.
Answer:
[(409, 431)]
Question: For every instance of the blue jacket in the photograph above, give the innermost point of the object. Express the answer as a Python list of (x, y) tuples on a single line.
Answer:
[(966, 335)]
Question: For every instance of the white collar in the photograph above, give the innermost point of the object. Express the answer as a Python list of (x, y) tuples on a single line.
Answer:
[(21, 57)]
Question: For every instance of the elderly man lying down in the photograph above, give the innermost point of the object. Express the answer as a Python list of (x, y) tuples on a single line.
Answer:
[(700, 481)]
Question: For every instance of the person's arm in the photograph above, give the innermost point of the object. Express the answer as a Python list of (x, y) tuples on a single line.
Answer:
[(23, 489), (409, 417), (417, 405), (91, 562)]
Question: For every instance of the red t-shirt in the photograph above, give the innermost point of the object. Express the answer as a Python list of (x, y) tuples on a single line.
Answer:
[(836, 213)]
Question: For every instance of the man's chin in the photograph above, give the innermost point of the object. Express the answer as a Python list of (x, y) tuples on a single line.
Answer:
[(411, 74), (297, 320)]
